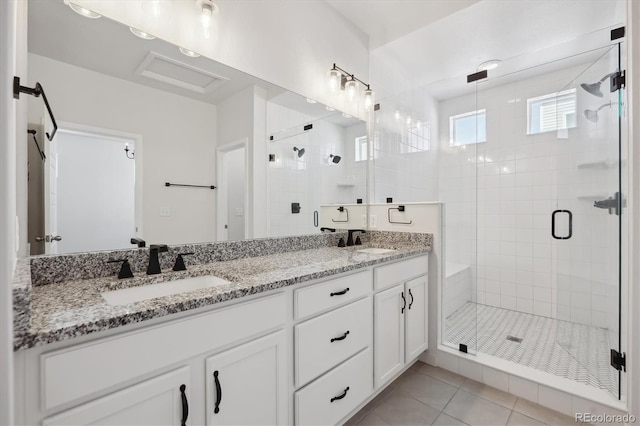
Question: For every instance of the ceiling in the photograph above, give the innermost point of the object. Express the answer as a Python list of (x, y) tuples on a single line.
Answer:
[(387, 20)]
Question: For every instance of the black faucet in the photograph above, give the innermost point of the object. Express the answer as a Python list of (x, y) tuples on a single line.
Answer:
[(139, 242), (350, 237), (154, 263)]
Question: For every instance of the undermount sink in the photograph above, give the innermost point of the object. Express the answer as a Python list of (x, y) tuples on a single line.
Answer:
[(145, 292), (375, 250)]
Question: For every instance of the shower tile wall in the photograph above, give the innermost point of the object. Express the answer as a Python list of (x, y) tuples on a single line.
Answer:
[(310, 180), (519, 178)]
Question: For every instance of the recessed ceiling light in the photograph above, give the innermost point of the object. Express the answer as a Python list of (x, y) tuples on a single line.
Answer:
[(489, 65), (141, 34), (189, 53), (328, 108), (82, 11), (311, 101), (345, 115)]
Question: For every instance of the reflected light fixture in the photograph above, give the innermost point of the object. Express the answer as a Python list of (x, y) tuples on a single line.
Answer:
[(489, 65), (594, 88), (126, 152), (189, 53), (141, 34), (328, 108), (311, 101), (339, 79), (82, 11), (207, 10)]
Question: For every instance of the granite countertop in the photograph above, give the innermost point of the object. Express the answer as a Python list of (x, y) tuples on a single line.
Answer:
[(64, 310)]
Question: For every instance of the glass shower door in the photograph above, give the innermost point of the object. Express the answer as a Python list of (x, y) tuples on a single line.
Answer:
[(586, 219)]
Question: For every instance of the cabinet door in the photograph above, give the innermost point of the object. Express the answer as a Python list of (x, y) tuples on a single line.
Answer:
[(389, 334), (248, 384), (416, 339), (158, 401)]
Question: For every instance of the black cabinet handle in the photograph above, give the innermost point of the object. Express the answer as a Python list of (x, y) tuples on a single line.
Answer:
[(185, 405), (344, 336), (216, 408), (404, 302), (335, 398), (410, 294), (339, 293)]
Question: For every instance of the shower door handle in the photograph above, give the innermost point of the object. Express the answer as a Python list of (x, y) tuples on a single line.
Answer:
[(553, 225)]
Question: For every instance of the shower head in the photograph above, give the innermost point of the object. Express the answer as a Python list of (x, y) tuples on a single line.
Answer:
[(594, 88), (335, 158), (300, 151), (592, 114)]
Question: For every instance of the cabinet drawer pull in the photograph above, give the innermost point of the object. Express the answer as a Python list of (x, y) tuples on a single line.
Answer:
[(410, 294), (344, 336), (335, 398), (216, 408), (185, 405), (339, 293), (404, 303)]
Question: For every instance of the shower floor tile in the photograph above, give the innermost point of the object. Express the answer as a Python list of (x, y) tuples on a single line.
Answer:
[(573, 351)]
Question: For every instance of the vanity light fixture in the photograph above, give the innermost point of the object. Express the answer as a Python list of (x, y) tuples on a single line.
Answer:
[(189, 53), (126, 152), (141, 34), (207, 10), (82, 11), (339, 79)]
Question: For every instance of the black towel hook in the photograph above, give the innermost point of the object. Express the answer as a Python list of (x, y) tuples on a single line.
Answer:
[(36, 91)]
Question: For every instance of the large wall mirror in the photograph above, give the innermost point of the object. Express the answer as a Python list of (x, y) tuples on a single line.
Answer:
[(135, 114)]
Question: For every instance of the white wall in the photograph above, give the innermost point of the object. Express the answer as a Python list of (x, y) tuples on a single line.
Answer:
[(179, 138), (12, 30), (289, 43)]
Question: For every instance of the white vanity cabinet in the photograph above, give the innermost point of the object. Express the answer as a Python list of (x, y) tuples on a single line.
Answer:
[(400, 316), (247, 385)]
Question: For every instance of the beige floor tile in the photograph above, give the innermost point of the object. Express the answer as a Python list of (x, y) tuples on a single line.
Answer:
[(487, 392), (475, 410), (404, 410), (427, 389), (442, 374), (518, 419), (444, 420), (541, 413), (372, 420)]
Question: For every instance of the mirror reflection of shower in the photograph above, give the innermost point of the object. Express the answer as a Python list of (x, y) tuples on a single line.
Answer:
[(594, 88), (335, 158), (300, 151), (592, 114)]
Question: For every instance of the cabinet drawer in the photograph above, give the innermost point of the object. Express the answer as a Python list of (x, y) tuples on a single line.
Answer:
[(317, 298), (84, 370), (324, 342), (318, 403), (384, 276)]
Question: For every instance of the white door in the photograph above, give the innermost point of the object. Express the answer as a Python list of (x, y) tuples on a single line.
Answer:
[(416, 339), (158, 401), (232, 193), (51, 236), (389, 333), (247, 385)]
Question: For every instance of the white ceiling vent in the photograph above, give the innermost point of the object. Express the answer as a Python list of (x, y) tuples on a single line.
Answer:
[(167, 70)]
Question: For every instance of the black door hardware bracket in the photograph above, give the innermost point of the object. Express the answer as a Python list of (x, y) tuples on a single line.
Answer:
[(36, 91)]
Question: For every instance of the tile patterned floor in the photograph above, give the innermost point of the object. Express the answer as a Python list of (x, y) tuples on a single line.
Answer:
[(426, 395), (574, 351)]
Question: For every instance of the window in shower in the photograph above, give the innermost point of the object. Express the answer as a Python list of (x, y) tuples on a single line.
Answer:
[(551, 112), (468, 128), (361, 148)]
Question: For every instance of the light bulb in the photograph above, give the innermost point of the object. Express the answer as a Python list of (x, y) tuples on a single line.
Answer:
[(82, 11), (189, 53), (351, 88), (333, 80), (368, 98), (141, 34), (397, 114)]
